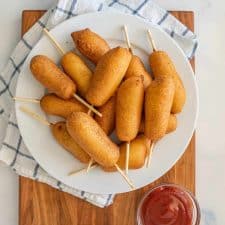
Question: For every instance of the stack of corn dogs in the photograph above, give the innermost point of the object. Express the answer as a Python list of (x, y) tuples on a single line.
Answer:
[(124, 97)]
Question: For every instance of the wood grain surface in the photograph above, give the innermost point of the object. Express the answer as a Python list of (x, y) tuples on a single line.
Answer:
[(42, 205)]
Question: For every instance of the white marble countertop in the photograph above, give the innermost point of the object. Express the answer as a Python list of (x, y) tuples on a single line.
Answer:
[(210, 71)]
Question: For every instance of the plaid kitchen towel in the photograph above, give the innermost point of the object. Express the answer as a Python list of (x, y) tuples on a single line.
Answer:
[(13, 152)]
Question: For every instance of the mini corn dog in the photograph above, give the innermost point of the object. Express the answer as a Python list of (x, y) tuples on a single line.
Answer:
[(138, 152), (90, 136), (53, 105), (48, 74), (172, 124), (107, 76), (158, 103), (107, 121), (129, 103), (90, 44), (162, 65), (77, 70)]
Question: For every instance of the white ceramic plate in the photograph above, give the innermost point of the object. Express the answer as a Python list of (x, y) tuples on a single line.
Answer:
[(56, 161)]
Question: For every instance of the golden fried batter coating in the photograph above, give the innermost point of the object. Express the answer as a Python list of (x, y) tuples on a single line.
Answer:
[(107, 121), (50, 76), (90, 137), (129, 105), (161, 64), (53, 105), (90, 44), (172, 124), (158, 102), (77, 70), (136, 68), (107, 76)]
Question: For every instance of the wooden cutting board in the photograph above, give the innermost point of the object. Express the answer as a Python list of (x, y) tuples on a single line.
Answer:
[(40, 204)]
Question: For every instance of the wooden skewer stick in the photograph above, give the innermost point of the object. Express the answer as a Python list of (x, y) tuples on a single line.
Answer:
[(127, 157), (81, 170), (127, 39), (35, 116), (149, 154), (87, 105), (125, 177), (128, 143), (59, 48), (151, 40), (22, 99), (152, 43), (89, 165), (96, 165), (62, 51)]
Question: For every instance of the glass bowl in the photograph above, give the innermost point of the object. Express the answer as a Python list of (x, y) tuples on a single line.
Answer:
[(184, 193)]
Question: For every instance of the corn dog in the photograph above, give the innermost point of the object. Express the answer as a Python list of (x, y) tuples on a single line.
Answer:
[(161, 64), (90, 137), (90, 44), (172, 125), (138, 152), (65, 140), (158, 103), (107, 76), (129, 104), (53, 105), (48, 74), (136, 68), (77, 70), (107, 121)]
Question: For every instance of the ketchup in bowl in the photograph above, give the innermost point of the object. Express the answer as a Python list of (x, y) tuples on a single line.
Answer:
[(168, 204)]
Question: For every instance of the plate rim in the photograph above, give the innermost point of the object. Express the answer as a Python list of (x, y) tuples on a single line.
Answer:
[(149, 24)]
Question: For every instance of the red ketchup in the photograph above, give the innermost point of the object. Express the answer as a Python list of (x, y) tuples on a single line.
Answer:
[(168, 205)]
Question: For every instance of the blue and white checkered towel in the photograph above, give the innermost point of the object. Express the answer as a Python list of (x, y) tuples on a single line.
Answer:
[(13, 151)]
